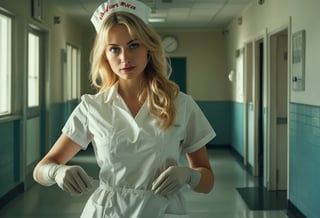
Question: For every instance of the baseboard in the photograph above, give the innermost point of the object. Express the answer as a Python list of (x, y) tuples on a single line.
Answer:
[(11, 194), (293, 211), (248, 167), (237, 156)]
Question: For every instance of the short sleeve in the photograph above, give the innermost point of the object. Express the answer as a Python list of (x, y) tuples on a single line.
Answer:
[(198, 129), (76, 127)]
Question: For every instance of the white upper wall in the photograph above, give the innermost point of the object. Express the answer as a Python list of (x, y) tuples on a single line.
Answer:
[(207, 74), (68, 31), (258, 20), (58, 35)]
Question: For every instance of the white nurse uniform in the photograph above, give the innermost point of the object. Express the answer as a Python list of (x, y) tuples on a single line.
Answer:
[(132, 152)]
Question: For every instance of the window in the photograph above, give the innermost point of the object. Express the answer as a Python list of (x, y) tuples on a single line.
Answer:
[(5, 64), (33, 69), (73, 73)]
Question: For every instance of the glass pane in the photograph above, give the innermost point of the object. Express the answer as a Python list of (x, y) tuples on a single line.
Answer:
[(69, 72), (74, 72), (33, 70), (5, 65)]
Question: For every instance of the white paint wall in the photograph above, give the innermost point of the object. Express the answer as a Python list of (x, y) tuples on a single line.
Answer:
[(207, 71), (68, 31), (59, 34), (273, 15)]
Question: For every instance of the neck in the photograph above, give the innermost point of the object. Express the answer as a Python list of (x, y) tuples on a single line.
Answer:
[(130, 89), (130, 94)]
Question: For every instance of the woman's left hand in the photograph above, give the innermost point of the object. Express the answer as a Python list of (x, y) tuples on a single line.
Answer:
[(174, 178)]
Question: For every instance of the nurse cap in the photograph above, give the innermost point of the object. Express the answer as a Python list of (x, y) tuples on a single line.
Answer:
[(110, 6)]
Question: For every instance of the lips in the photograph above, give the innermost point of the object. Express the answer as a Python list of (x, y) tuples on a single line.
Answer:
[(127, 69)]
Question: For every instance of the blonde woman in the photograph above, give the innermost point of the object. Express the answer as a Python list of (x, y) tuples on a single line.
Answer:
[(138, 123)]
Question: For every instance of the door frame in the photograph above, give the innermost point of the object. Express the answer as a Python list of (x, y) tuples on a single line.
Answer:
[(252, 85), (34, 112), (272, 134), (259, 85), (249, 97)]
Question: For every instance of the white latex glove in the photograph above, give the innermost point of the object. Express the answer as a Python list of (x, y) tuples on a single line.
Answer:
[(174, 178), (71, 179)]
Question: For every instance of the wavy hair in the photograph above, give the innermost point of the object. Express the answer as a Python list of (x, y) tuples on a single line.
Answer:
[(158, 91)]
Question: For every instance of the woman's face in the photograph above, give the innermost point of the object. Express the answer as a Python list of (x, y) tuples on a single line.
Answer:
[(127, 57)]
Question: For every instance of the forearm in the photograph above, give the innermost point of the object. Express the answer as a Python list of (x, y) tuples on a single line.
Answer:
[(62, 151), (206, 181), (199, 161), (43, 171)]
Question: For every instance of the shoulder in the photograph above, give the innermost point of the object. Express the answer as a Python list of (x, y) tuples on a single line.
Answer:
[(185, 106), (89, 98), (181, 97), (184, 100), (188, 106), (100, 97)]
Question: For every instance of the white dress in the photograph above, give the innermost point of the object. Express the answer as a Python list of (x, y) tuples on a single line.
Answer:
[(132, 151)]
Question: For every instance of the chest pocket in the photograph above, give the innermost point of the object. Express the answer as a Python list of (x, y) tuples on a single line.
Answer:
[(100, 145), (174, 140)]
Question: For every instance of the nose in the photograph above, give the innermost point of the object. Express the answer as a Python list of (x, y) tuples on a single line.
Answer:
[(125, 56)]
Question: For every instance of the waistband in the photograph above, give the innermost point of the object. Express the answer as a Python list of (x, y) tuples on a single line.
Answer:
[(123, 189)]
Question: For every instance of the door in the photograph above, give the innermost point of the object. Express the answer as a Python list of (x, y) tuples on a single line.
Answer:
[(178, 74), (254, 111), (259, 112), (279, 108), (248, 112), (35, 134)]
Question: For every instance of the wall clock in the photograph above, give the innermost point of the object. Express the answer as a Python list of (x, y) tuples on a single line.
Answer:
[(170, 43)]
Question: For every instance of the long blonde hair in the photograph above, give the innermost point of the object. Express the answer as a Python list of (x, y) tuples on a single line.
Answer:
[(160, 93)]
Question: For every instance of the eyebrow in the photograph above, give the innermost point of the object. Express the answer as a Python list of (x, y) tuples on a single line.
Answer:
[(128, 43)]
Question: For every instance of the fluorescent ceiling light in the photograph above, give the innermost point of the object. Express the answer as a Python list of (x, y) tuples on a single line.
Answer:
[(156, 19)]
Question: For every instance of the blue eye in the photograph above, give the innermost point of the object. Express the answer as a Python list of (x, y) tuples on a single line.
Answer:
[(134, 45), (114, 49)]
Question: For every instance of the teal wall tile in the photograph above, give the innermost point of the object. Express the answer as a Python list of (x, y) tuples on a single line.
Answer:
[(227, 119), (238, 127), (304, 158), (9, 171), (56, 121), (59, 114), (10, 155)]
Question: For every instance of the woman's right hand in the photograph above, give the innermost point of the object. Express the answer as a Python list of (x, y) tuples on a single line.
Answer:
[(72, 179), (53, 169)]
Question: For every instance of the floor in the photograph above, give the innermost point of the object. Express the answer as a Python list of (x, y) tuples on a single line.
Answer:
[(224, 201)]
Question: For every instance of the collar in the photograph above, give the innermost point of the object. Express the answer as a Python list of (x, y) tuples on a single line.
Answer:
[(111, 93)]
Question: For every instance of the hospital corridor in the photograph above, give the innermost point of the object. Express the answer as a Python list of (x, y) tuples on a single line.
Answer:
[(224, 201), (239, 76)]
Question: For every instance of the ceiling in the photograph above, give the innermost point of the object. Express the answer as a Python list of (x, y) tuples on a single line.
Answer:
[(183, 14)]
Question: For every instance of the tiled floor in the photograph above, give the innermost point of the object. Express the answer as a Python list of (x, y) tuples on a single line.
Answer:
[(223, 202)]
